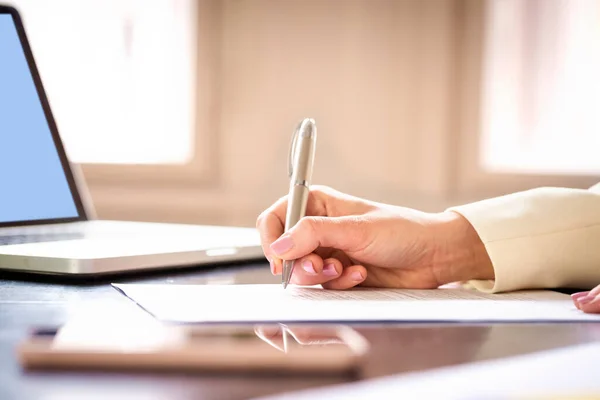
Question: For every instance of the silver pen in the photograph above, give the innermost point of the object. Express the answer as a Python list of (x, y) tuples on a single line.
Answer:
[(301, 161)]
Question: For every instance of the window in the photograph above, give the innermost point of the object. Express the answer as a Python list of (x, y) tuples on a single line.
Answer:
[(120, 76), (541, 87)]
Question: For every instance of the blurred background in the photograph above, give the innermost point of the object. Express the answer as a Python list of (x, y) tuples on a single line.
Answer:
[(183, 110)]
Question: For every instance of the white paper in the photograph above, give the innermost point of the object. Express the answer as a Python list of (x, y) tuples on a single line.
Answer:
[(268, 303), (570, 372)]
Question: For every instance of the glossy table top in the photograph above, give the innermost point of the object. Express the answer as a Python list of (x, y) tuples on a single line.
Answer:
[(396, 348)]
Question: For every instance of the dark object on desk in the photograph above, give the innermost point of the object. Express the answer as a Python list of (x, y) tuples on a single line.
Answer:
[(271, 348), (46, 224)]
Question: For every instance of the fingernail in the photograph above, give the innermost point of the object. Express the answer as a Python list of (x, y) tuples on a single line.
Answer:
[(587, 299), (579, 295), (308, 267), (356, 276), (329, 270), (282, 245)]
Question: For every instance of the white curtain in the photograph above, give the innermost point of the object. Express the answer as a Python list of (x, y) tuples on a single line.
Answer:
[(541, 87), (120, 76)]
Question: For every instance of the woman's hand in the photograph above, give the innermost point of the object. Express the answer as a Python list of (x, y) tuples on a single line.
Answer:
[(346, 241), (589, 301)]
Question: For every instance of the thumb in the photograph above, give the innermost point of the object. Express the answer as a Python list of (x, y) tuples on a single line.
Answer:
[(310, 233)]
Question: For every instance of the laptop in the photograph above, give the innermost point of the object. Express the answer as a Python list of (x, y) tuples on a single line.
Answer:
[(47, 225)]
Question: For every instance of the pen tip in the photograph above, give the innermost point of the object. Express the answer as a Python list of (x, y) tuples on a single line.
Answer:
[(288, 267)]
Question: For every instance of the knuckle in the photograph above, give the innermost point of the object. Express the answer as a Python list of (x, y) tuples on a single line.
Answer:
[(263, 216), (326, 199), (321, 190), (318, 188)]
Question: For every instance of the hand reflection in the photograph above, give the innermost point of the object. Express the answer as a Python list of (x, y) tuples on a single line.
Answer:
[(281, 336)]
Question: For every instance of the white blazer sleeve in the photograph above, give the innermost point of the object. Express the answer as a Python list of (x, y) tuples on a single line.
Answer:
[(540, 238)]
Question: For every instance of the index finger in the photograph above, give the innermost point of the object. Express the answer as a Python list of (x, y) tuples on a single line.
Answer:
[(271, 222), (270, 225)]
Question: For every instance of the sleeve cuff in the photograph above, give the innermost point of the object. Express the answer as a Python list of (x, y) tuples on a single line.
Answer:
[(541, 238)]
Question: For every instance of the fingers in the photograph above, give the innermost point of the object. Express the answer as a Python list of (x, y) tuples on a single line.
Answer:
[(306, 336), (313, 270), (588, 302), (330, 273), (271, 222), (322, 201), (350, 277), (315, 335), (595, 291), (577, 296), (270, 225), (343, 233), (590, 305), (271, 335)]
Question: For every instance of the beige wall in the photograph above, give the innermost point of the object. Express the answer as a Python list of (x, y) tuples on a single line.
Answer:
[(392, 85), (374, 74)]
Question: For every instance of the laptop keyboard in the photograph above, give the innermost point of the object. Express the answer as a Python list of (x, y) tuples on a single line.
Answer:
[(37, 238)]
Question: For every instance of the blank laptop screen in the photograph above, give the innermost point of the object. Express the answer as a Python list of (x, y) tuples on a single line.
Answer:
[(33, 183)]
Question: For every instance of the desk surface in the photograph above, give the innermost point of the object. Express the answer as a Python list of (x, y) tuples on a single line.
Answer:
[(396, 347)]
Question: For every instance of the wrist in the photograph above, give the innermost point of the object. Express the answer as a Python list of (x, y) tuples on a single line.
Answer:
[(460, 253)]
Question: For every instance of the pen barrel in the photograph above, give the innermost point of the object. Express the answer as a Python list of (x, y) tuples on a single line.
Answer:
[(303, 156), (297, 200)]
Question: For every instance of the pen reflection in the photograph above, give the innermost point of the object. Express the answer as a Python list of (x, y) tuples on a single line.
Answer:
[(284, 338)]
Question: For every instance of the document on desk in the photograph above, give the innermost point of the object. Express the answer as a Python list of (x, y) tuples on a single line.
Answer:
[(271, 303), (566, 373)]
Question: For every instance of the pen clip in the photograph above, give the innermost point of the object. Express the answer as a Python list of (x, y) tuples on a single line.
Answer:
[(293, 151)]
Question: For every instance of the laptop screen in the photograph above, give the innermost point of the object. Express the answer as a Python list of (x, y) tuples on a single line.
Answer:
[(34, 184)]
